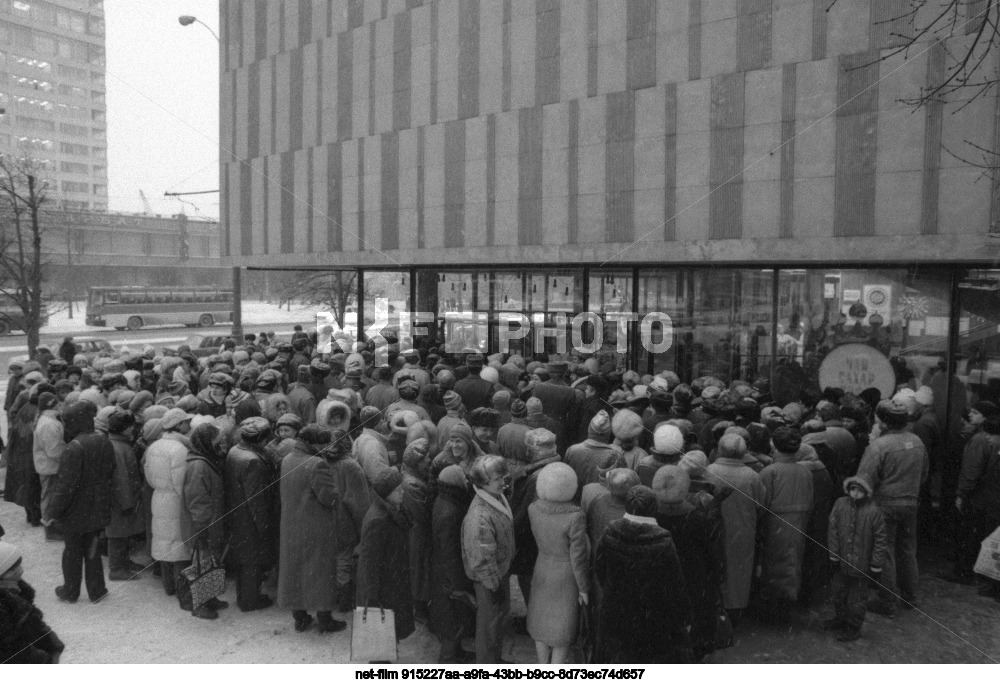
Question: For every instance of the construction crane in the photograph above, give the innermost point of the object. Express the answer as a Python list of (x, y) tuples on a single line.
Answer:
[(145, 203)]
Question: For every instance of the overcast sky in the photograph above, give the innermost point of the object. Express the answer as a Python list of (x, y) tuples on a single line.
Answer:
[(163, 105)]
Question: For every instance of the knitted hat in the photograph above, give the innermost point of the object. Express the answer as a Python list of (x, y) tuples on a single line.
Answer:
[(452, 401), (453, 475), (556, 482), (694, 463), (668, 440), (600, 426), (387, 481), (533, 406), (518, 408), (671, 484), (174, 417), (47, 401), (9, 555), (626, 425), (464, 432), (290, 420), (792, 413), (152, 429), (924, 396), (254, 427), (641, 501), (541, 444), (501, 400), (620, 480), (370, 416), (415, 453)]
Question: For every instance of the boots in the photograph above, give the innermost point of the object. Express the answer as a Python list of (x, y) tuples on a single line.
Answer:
[(327, 624)]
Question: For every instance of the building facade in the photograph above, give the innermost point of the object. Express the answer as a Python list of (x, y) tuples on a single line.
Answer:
[(52, 92), (750, 169)]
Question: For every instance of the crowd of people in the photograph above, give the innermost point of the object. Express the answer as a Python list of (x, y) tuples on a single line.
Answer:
[(644, 518)]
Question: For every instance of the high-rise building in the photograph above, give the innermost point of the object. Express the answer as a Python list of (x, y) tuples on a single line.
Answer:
[(52, 95)]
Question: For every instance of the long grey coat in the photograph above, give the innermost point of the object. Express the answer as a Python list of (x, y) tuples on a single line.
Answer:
[(308, 547)]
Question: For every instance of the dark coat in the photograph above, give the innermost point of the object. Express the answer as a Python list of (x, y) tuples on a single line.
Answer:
[(252, 506), (25, 638), (205, 500), (309, 497), (84, 489), (561, 403), (523, 492), (417, 499), (451, 618), (700, 544), (814, 561), (23, 485), (302, 402), (475, 392), (127, 518), (856, 533), (384, 564), (353, 499), (645, 609)]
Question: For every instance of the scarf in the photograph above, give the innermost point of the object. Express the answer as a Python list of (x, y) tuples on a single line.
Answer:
[(500, 503)]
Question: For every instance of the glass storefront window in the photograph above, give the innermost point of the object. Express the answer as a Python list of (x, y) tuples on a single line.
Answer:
[(978, 358), (610, 297), (387, 295)]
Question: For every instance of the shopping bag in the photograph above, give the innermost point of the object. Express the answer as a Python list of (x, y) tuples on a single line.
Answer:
[(988, 562), (206, 577), (373, 635)]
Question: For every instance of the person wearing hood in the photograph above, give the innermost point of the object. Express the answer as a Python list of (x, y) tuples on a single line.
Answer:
[(384, 553), (417, 500), (646, 613), (699, 539), (487, 550), (460, 449), (48, 446), (814, 566), (452, 599), (309, 529), (741, 517), (286, 429), (595, 454), (127, 520), (252, 511), (25, 638), (212, 400), (82, 503), (205, 501), (560, 582), (857, 547), (789, 498), (164, 464)]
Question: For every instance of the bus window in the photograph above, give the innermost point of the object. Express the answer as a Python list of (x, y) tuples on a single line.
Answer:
[(111, 297), (95, 297)]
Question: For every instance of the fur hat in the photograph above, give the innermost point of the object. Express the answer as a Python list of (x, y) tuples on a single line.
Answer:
[(541, 444), (787, 440), (668, 440), (314, 435), (694, 463), (640, 501), (254, 427), (924, 396), (453, 475), (289, 420), (860, 483), (557, 482), (387, 481), (119, 421), (490, 375), (620, 480), (533, 406), (174, 417), (671, 484), (484, 417), (401, 420), (600, 426), (333, 414), (47, 401), (415, 453), (626, 425)]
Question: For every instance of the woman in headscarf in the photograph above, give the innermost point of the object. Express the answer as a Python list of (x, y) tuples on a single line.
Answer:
[(205, 500), (460, 449), (309, 524)]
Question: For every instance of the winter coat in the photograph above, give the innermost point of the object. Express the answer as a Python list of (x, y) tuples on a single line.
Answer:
[(372, 454), (523, 493), (646, 609), (22, 485), (979, 480), (562, 571), (205, 501), (165, 467), (814, 558), (84, 491), (648, 466), (127, 517), (475, 391), (600, 508), (699, 538), (741, 514), (307, 579), (353, 499), (382, 395), (895, 465), (488, 540), (587, 458), (302, 403), (384, 564), (48, 443), (561, 403), (838, 452), (856, 535), (450, 618), (25, 638), (417, 499), (252, 506), (789, 497), (207, 406)]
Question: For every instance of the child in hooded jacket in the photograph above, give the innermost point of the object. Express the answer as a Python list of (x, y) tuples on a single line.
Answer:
[(857, 543)]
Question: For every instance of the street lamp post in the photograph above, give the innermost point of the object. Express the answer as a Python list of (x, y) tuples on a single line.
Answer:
[(237, 332)]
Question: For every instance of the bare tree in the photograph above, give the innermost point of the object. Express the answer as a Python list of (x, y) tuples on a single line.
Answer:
[(329, 290), (22, 266)]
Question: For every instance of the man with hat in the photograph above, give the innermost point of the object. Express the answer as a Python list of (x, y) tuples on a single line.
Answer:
[(594, 454), (252, 511), (895, 465), (300, 397), (212, 400), (383, 394), (412, 367), (318, 373), (475, 391), (560, 402), (409, 392), (485, 422), (667, 449), (510, 437)]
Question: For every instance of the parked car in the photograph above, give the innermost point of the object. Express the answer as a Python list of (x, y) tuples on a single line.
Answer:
[(201, 345), (12, 318), (91, 347)]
